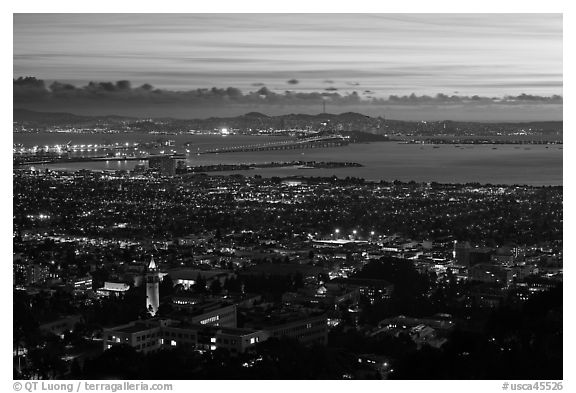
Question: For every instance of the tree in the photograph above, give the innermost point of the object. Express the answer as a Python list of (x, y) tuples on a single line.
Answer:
[(298, 280), (215, 287), (166, 287), (75, 369), (120, 361), (200, 284)]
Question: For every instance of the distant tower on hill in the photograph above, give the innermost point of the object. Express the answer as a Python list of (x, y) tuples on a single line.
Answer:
[(152, 288)]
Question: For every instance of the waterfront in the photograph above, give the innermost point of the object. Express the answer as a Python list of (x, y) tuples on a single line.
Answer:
[(501, 164)]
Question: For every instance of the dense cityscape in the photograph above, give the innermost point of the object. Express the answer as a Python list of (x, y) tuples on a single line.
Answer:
[(113, 271)]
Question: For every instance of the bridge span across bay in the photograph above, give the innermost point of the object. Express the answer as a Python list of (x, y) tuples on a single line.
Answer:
[(305, 143)]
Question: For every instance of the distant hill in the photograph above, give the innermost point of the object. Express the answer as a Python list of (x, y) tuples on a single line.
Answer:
[(25, 115), (28, 115), (256, 114), (366, 128)]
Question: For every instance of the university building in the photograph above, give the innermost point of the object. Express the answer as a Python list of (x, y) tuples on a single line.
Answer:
[(207, 324)]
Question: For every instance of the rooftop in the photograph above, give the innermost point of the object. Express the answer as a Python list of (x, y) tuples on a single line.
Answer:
[(134, 327)]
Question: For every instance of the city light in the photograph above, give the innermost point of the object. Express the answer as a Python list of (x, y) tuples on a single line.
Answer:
[(241, 219)]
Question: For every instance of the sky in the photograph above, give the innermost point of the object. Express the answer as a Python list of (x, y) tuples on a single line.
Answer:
[(409, 66)]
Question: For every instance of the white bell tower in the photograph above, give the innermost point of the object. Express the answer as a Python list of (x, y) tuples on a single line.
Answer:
[(152, 288)]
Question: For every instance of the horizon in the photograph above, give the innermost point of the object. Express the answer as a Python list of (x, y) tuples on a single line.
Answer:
[(288, 114), (406, 66)]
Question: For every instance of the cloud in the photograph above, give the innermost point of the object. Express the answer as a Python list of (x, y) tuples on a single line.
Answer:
[(29, 88), (293, 81), (258, 84), (328, 81), (441, 98), (528, 97), (121, 97)]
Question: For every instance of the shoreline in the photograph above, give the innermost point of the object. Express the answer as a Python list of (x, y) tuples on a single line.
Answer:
[(289, 164), (303, 178)]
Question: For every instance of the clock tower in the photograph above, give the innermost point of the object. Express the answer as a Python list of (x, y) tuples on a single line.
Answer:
[(152, 288)]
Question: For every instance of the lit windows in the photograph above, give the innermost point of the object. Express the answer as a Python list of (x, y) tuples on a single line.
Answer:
[(210, 320)]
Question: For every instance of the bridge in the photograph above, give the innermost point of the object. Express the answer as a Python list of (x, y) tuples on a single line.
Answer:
[(19, 161), (306, 143), (69, 148)]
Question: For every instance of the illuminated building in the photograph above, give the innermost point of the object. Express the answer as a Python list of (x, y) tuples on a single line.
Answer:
[(113, 289), (309, 328), (188, 277), (152, 288), (308, 331), (490, 273), (213, 325), (154, 334), (30, 274), (371, 288), (81, 283)]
